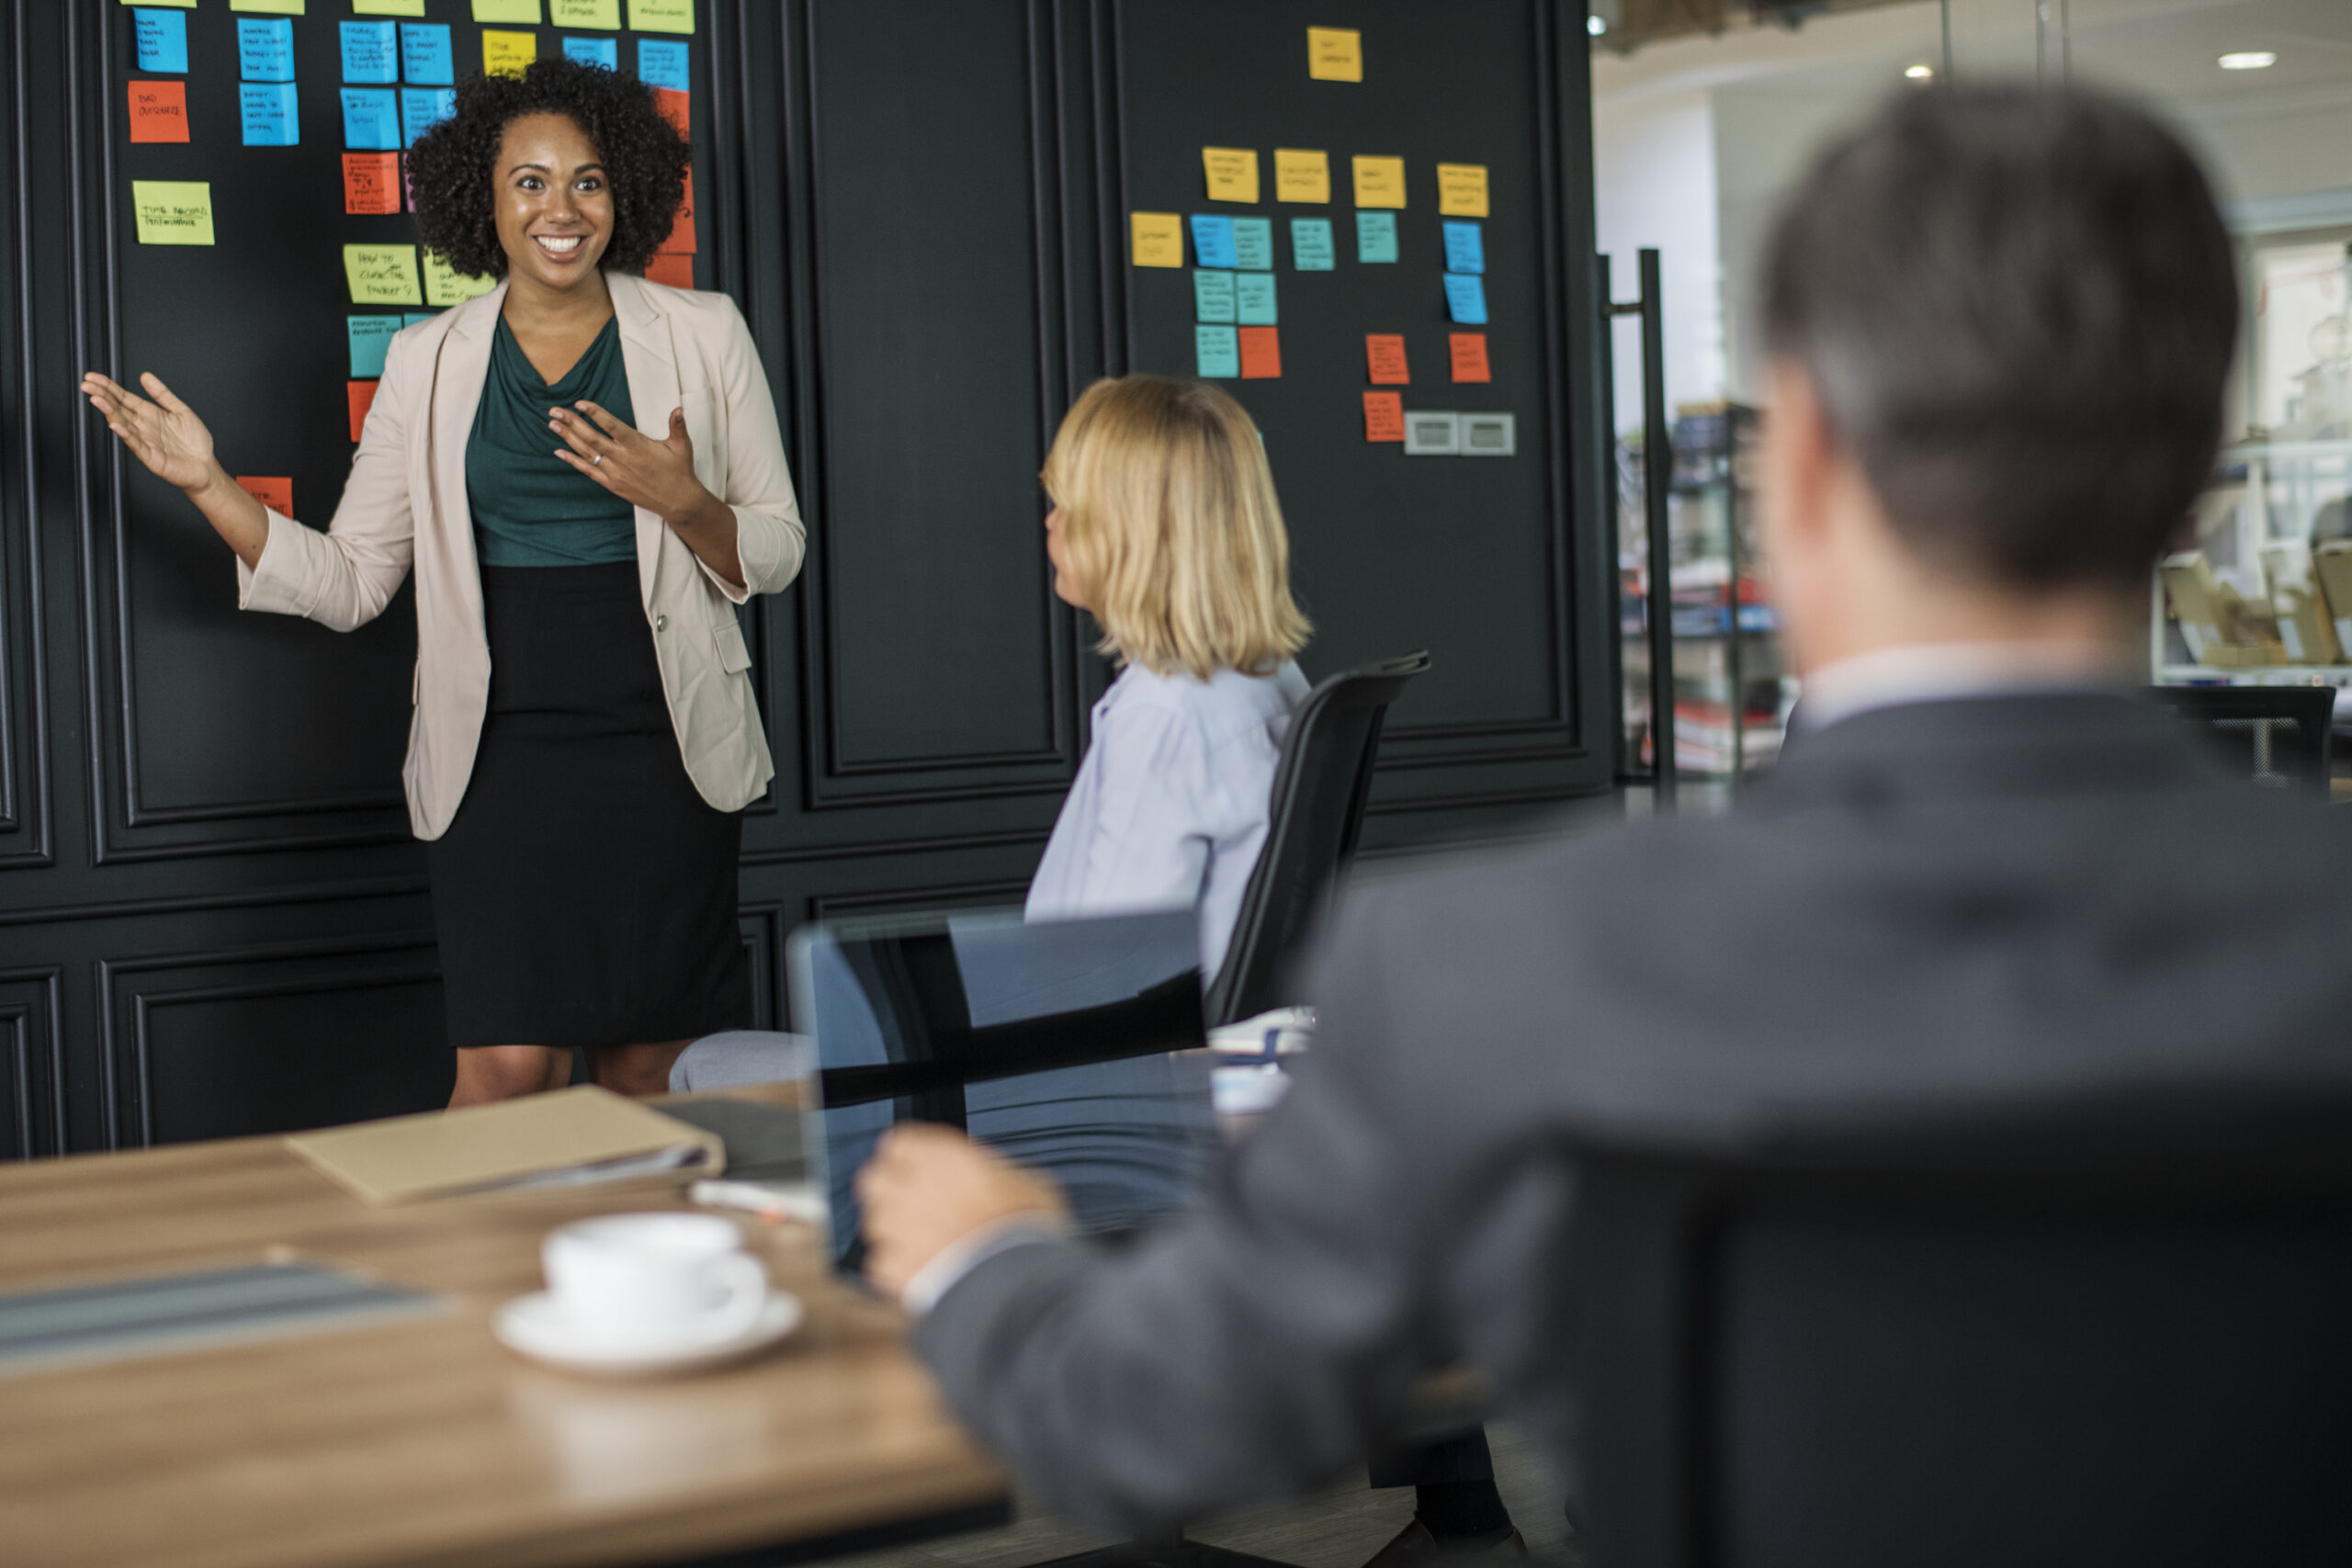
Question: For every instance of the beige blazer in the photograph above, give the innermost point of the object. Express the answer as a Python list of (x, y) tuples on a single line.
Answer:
[(405, 505)]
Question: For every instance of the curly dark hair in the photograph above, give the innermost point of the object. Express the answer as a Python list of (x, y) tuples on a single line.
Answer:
[(453, 168)]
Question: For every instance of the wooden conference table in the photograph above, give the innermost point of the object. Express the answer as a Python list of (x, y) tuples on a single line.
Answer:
[(424, 1441)]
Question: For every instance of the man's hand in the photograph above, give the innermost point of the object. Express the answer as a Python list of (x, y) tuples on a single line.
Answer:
[(928, 1186)]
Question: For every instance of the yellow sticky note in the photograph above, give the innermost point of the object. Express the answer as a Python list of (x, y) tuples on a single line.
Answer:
[(175, 4), (1461, 190), (603, 14), (506, 54), (381, 275), (173, 212), (661, 16), (268, 8), (1335, 54), (388, 7), (1302, 175), (1159, 239), (1232, 173), (443, 285), (506, 10), (1380, 182)]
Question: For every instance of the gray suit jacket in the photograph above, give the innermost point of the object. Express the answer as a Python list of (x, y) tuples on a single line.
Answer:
[(1957, 906)]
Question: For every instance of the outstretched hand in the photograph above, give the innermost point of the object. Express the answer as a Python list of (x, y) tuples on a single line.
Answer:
[(929, 1187), (656, 475), (165, 434)]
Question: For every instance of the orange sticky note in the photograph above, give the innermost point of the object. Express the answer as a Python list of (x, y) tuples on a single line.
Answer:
[(159, 111), (275, 494), (1262, 354), (1469, 356), (682, 234), (371, 181), (363, 397), (1385, 352), (674, 268), (1383, 416), (675, 107)]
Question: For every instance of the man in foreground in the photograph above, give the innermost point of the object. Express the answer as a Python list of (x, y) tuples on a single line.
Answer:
[(1983, 875)]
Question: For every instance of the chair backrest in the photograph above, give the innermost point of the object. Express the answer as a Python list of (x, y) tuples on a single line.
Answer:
[(1999, 1355), (2255, 724), (1317, 811)]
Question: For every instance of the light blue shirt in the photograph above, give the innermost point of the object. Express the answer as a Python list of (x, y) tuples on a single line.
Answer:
[(1169, 809)]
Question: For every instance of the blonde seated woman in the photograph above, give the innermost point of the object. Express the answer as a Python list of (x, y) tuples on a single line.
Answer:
[(1165, 528)]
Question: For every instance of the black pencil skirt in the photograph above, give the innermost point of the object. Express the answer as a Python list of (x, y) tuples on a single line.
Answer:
[(584, 895)]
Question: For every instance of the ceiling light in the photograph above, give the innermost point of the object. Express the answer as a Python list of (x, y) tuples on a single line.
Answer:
[(2252, 60), (1595, 25), (1921, 72)]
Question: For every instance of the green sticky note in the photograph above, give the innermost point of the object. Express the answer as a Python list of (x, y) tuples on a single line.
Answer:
[(173, 212), (1217, 352), (506, 10), (269, 7), (1253, 298), (661, 16), (1212, 296), (1311, 249), (382, 275), (1253, 245), (1375, 236), (605, 13), (388, 7), (446, 286), (175, 5)]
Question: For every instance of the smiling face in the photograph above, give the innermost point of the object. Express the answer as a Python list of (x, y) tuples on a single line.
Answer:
[(555, 205)]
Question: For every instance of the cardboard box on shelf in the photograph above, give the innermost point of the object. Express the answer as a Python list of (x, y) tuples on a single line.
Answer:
[(2332, 564), (2224, 631), (2306, 626)]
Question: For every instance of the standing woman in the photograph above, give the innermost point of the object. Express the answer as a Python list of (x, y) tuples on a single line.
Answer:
[(584, 470)]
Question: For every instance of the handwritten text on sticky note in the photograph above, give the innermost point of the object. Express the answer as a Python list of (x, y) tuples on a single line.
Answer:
[(1215, 353), (1465, 299), (660, 63), (1310, 245), (173, 212), (1213, 240), (268, 114), (443, 285), (1261, 352), (1253, 245), (1375, 236), (369, 336), (605, 13), (371, 52), (661, 16), (1380, 182), (1335, 54), (1253, 298), (426, 57), (1302, 175), (1385, 359), (1469, 352), (265, 51), (1461, 190), (1213, 296), (371, 181), (161, 37), (277, 494), (371, 120), (1465, 250), (1232, 172), (159, 111), (1159, 239), (382, 275), (1383, 416), (505, 53)]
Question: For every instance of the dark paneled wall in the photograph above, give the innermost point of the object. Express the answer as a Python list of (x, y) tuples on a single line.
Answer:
[(212, 920)]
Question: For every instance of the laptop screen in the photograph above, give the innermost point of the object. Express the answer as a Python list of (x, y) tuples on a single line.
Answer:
[(1054, 1043)]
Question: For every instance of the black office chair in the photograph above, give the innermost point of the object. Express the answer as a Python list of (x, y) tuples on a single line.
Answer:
[(2042, 1347), (2249, 722), (1320, 787)]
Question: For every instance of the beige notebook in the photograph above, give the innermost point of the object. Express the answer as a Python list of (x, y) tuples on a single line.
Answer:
[(573, 1137)]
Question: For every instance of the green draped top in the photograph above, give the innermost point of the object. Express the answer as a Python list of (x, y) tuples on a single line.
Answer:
[(530, 507)]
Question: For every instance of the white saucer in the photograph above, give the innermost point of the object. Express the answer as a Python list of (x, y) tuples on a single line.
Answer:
[(534, 1327)]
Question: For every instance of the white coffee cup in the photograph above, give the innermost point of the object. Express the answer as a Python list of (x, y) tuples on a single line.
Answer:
[(635, 1278)]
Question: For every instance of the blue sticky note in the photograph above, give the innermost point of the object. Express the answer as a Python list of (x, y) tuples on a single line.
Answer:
[(371, 52), (1254, 296), (371, 120), (1465, 298), (604, 51), (1375, 236), (1253, 245), (422, 108), (1310, 245), (663, 65), (1465, 250), (1213, 240), (412, 317), (264, 48), (425, 55), (267, 113), (370, 337), (1217, 351), (1213, 296), (163, 39)]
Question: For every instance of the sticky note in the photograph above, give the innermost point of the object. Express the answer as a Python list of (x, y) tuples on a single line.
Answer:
[(443, 285), (277, 494), (671, 269), (506, 10), (267, 115), (388, 7), (363, 397), (606, 14), (1465, 250), (173, 212), (1469, 352), (1159, 239), (1310, 245), (159, 111), (661, 64), (417, 318), (1385, 359), (162, 37), (1253, 245), (677, 108), (370, 337), (604, 51), (1461, 190), (1375, 236), (371, 119), (371, 52), (1213, 296), (371, 181), (182, 4), (422, 108), (1213, 240), (427, 58), (275, 8), (1261, 352), (1465, 299), (1380, 182), (265, 51), (1215, 353), (1253, 298), (661, 16), (1302, 175), (1232, 172), (680, 238), (507, 55), (1383, 416), (1335, 54), (382, 275)]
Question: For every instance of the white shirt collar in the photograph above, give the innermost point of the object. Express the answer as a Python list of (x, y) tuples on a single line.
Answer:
[(1940, 672)]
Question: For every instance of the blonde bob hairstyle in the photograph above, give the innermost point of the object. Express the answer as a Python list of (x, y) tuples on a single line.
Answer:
[(1171, 529)]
